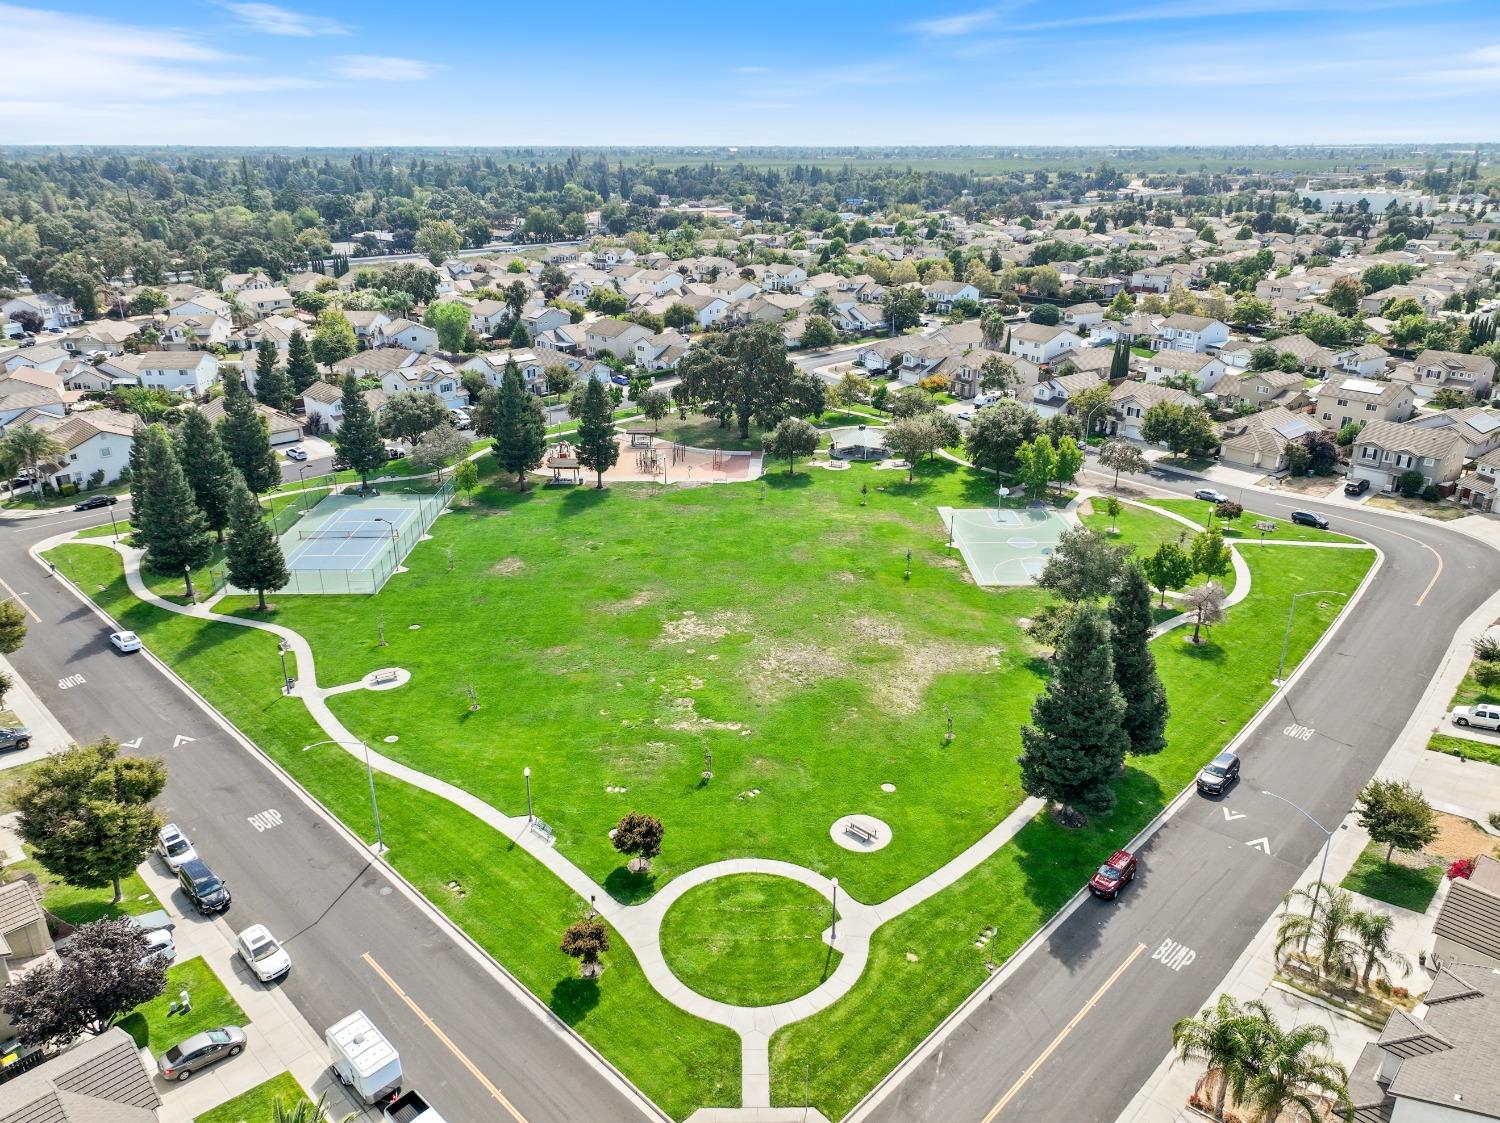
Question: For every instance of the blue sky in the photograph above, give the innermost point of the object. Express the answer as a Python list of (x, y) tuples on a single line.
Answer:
[(502, 73)]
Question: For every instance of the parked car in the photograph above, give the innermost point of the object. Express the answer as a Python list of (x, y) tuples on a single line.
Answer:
[(1211, 495), (1480, 717), (296, 453), (1113, 875), (966, 415), (14, 737), (1356, 487), (262, 953), (340, 462), (94, 501), (174, 847), (986, 400), (201, 1050), (1310, 518), (202, 886), (392, 452), (1219, 774), (162, 946), (619, 380), (125, 641)]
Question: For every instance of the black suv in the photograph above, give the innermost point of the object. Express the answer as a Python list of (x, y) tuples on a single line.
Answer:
[(202, 887), (1310, 518), (1357, 487), (1219, 773)]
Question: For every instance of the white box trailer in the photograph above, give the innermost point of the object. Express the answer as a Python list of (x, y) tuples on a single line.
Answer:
[(363, 1059)]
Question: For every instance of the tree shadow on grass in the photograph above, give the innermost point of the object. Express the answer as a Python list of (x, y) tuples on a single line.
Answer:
[(628, 887), (581, 499), (1205, 652), (778, 479), (573, 999)]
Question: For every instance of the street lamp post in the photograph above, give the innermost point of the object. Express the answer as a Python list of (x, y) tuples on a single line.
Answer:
[(114, 526), (1327, 844), (527, 773), (1287, 638), (834, 935), (286, 679), (302, 484), (1088, 419), (187, 573), (380, 846), (389, 524)]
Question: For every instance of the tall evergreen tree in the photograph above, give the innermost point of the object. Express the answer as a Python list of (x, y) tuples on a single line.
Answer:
[(1076, 741), (358, 438), (171, 527), (210, 472), (272, 387), (595, 439), (1135, 666), (139, 478), (520, 428), (300, 368), (247, 438), (254, 554)]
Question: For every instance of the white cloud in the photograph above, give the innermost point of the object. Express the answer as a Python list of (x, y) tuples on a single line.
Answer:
[(271, 19), (960, 23), (385, 67), (752, 69)]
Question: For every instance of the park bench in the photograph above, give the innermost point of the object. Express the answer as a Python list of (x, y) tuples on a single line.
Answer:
[(380, 678), (861, 832)]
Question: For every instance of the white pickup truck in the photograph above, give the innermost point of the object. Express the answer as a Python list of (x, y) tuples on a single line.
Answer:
[(409, 1107)]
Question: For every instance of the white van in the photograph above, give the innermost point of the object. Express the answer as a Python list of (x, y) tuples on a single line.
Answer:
[(986, 400)]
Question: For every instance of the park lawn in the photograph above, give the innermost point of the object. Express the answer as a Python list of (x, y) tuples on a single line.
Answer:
[(925, 962), (1143, 531), (517, 910), (1201, 511), (749, 939), (155, 1028), (122, 526), (1464, 748), (1471, 693), (259, 1103), (644, 629), (77, 905), (1403, 886), (701, 431)]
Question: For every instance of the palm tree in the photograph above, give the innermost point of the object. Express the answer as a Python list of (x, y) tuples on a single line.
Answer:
[(1373, 931), (1327, 925), (1224, 1035), (304, 1111), (1292, 1068), (29, 446)]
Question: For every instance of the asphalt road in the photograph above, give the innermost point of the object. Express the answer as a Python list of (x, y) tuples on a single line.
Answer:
[(306, 880), (1087, 1017)]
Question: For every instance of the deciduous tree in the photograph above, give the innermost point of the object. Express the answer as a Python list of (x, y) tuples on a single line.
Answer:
[(639, 837), (1168, 567), (466, 478), (12, 627), (997, 433), (791, 438), (586, 941), (405, 417), (450, 320), (1206, 603), (439, 446), (333, 338), (1396, 815), (1122, 456), (1084, 565)]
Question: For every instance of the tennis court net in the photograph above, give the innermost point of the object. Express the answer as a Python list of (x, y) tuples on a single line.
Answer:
[(353, 532)]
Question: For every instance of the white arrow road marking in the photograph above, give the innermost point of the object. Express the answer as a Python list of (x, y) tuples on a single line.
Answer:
[(1231, 816), (182, 739), (132, 744), (1262, 844)]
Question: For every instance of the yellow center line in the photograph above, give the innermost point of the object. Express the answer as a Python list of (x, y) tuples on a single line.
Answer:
[(448, 1043), (1430, 549), (15, 596), (1015, 1088)]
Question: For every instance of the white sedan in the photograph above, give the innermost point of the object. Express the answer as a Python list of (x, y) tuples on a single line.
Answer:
[(262, 953), (125, 641)]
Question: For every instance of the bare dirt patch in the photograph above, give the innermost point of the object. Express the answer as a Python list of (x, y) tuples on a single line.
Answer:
[(690, 626), (843, 577), (638, 599), (687, 718), (1458, 838), (507, 567)]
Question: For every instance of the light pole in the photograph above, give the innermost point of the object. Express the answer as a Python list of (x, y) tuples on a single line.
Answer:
[(380, 846), (1287, 638), (527, 773), (286, 679), (834, 935), (114, 526), (1327, 843), (302, 483), (389, 524), (187, 573), (1088, 419)]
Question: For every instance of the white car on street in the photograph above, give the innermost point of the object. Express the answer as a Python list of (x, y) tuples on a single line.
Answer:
[(125, 641), (1480, 717), (295, 453), (174, 846), (262, 953)]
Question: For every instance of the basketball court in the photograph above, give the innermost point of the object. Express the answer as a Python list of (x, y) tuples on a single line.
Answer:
[(1005, 546)]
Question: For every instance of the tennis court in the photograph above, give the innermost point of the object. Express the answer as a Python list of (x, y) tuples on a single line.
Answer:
[(1005, 546), (351, 539)]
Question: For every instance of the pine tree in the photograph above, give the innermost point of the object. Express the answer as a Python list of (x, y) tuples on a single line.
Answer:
[(272, 386), (254, 554), (139, 479), (300, 368), (520, 428), (1076, 742), (595, 440), (358, 438), (1131, 625), (210, 473), (247, 438), (171, 527)]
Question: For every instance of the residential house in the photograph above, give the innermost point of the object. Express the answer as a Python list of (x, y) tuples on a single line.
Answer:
[(619, 337), (1467, 928), (409, 335), (435, 376), (46, 357), (963, 372), (24, 938), (1367, 360), (1436, 1064), (57, 313), (264, 302), (858, 317), (97, 444), (1136, 326), (194, 333), (1053, 395), (323, 407), (783, 278), (1259, 440), (1132, 400), (99, 1080), (1040, 344), (239, 282), (1182, 332), (662, 351), (1343, 401), (277, 330), (1262, 389), (941, 296), (1477, 489), (539, 320), (1083, 316), (1203, 369), (183, 372), (1450, 370), (1480, 428), (366, 324), (283, 428), (375, 363), (488, 316), (1385, 450), (202, 303), (108, 336)]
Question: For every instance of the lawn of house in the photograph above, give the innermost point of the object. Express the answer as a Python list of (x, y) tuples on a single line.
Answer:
[(76, 905), (1401, 882), (258, 1105), (156, 1028)]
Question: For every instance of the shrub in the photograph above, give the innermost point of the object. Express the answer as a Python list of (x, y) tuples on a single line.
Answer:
[(1430, 493), (1410, 483), (1487, 674), (1495, 819), (1464, 867)]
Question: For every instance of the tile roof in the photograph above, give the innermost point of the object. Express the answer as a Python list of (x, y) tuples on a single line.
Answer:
[(99, 1080), (1394, 436)]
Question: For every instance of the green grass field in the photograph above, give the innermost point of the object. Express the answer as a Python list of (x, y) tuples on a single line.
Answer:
[(1471, 693), (749, 939), (1143, 531), (259, 1103), (1201, 512), (77, 905), (1465, 748), (155, 1028), (1402, 886)]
